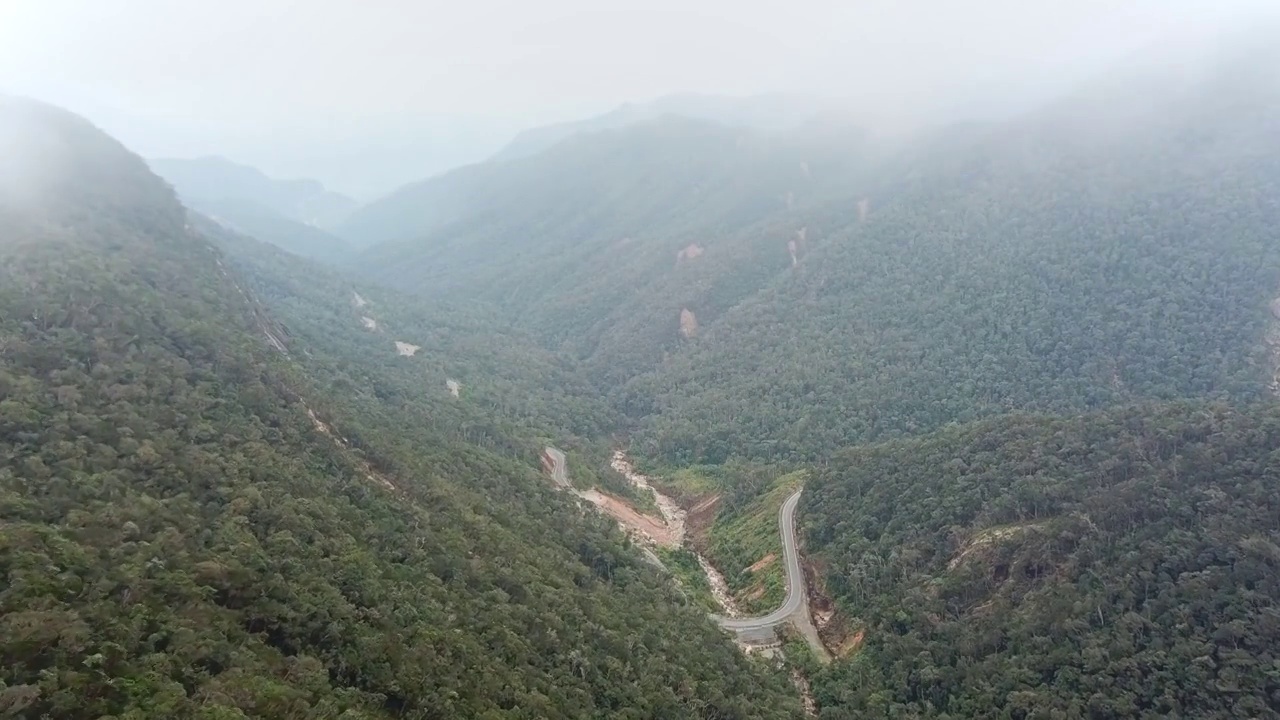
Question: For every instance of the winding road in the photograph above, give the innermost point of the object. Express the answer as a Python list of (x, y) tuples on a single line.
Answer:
[(795, 609), (558, 466), (795, 578)]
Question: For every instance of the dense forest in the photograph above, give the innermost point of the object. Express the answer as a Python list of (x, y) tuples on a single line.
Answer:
[(513, 396), (1025, 371), (745, 300), (189, 527), (777, 297), (598, 244), (1119, 564), (1040, 265)]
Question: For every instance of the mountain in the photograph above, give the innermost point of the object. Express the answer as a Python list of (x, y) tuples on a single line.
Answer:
[(252, 219), (291, 214), (1027, 367), (1115, 247), (769, 113), (213, 504), (1024, 370), (1118, 564), (597, 245), (778, 298), (217, 179)]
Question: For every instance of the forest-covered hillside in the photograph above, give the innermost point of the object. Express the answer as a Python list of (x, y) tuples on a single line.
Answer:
[(780, 297), (195, 521), (1117, 246), (266, 225), (782, 301), (598, 244), (1119, 564), (1024, 369), (512, 396)]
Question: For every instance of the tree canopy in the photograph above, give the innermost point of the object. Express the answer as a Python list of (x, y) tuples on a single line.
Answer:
[(198, 518)]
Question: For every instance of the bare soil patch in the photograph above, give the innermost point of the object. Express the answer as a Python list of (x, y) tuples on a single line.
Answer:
[(646, 528)]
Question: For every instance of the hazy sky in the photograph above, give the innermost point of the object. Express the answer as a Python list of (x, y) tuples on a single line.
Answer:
[(364, 95)]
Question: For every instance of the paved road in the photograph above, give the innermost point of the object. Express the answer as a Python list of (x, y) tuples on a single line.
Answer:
[(559, 467), (795, 579), (796, 599)]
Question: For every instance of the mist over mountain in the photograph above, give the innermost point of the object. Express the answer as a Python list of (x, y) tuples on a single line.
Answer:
[(772, 113), (218, 180), (292, 214), (941, 383), (742, 296), (188, 513)]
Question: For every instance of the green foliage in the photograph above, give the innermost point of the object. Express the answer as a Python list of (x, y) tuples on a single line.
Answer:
[(746, 531), (799, 655), (581, 243), (509, 385), (1112, 248), (692, 482), (685, 569), (1120, 564), (745, 527), (193, 524), (1030, 266)]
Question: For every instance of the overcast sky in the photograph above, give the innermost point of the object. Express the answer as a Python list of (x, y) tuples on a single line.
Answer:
[(364, 95)]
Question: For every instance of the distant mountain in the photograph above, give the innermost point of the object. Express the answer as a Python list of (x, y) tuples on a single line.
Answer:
[(1117, 246), (766, 113), (1029, 368), (291, 214), (216, 179), (784, 296), (260, 222)]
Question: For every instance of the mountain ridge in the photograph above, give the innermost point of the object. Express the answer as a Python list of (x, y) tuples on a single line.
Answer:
[(213, 177), (768, 113)]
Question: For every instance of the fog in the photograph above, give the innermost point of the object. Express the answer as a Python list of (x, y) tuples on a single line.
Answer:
[(365, 96)]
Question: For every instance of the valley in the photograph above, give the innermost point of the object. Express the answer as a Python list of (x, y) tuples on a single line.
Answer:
[(711, 408), (202, 523), (668, 532)]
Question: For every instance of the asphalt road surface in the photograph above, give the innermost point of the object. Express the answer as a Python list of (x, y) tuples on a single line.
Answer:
[(795, 579), (559, 467)]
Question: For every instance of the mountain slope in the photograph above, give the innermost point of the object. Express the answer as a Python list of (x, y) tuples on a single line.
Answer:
[(512, 395), (185, 531), (599, 244), (1120, 564), (780, 298), (1121, 245)]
